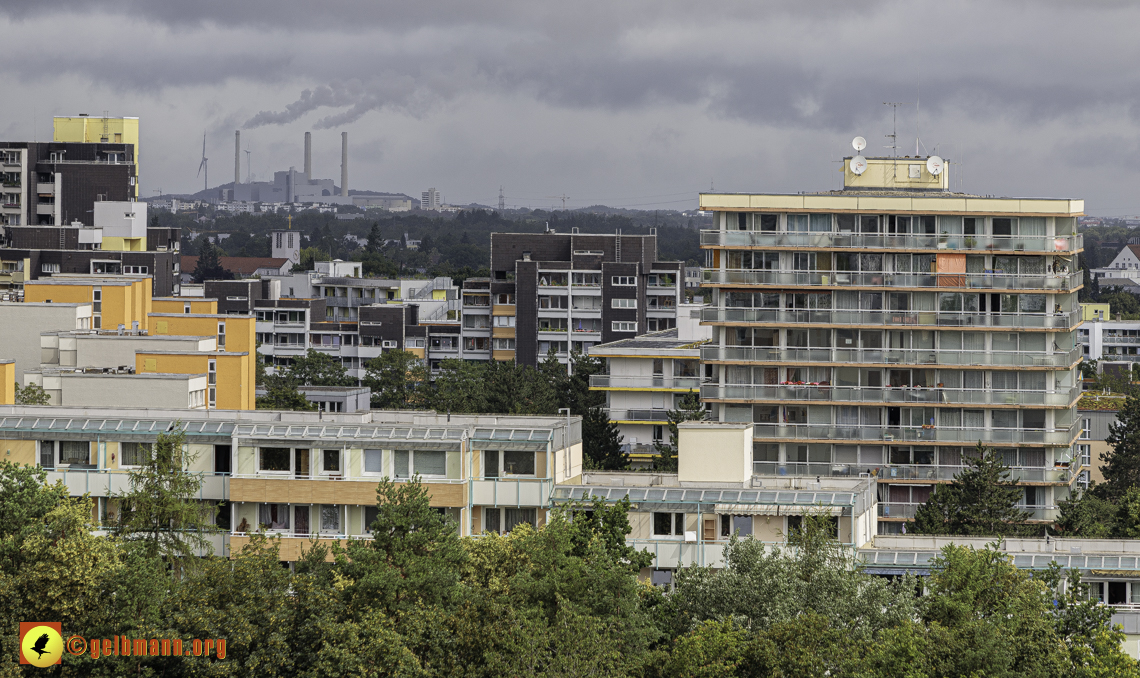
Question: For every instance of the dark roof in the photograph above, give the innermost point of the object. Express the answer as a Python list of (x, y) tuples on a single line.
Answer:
[(236, 265)]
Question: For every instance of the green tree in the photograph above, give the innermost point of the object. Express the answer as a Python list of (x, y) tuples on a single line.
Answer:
[(459, 387), (689, 409), (161, 510), (32, 394), (1121, 467), (308, 258), (398, 380), (602, 442), (414, 558), (319, 369), (577, 394), (281, 393), (209, 266), (982, 500), (1085, 515), (998, 618), (375, 239)]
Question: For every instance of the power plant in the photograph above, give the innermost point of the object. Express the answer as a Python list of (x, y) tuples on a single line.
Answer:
[(291, 185)]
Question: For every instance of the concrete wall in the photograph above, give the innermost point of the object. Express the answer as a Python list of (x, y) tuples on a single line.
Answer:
[(21, 325), (714, 452), (123, 390)]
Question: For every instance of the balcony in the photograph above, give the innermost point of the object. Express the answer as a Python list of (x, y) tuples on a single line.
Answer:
[(902, 395), (901, 511), (947, 434), (942, 281), (1020, 474), (913, 319), (636, 383), (968, 243), (878, 356), (657, 416), (109, 483)]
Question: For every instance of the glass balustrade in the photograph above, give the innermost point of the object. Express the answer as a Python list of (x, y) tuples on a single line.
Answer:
[(991, 281), (876, 356), (967, 243), (1062, 320), (887, 394)]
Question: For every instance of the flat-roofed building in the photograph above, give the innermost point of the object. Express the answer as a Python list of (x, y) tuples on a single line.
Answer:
[(888, 327), (309, 475), (21, 324), (91, 387)]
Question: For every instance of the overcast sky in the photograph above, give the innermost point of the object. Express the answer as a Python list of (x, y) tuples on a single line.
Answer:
[(638, 104)]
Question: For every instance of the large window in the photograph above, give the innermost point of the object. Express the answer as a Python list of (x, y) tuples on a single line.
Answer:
[(134, 454), (76, 452), (503, 521), (668, 524), (330, 462), (498, 463), (274, 459), (374, 462), (330, 518), (420, 462), (274, 516)]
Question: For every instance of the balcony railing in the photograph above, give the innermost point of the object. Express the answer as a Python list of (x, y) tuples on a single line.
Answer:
[(949, 434), (101, 482), (887, 395), (1021, 474), (891, 356), (968, 243), (644, 382), (907, 511), (658, 415), (1061, 320), (990, 281), (1109, 339)]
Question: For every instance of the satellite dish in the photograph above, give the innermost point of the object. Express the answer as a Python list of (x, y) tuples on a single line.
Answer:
[(859, 164), (859, 143), (935, 165)]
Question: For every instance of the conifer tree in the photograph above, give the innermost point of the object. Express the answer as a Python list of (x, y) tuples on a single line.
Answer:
[(982, 500)]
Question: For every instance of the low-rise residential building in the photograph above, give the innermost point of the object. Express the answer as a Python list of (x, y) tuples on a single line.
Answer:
[(86, 387), (1113, 340), (310, 475)]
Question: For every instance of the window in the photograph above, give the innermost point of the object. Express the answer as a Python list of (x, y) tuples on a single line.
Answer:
[(330, 518), (552, 324), (504, 520), (476, 322), (1085, 452), (741, 525), (133, 454), (552, 279), (588, 279), (505, 298), (274, 516), (624, 326), (186, 308), (624, 281), (668, 524), (546, 302), (49, 268), (507, 463), (137, 270), (330, 461), (371, 513), (504, 321), (504, 344), (373, 462), (221, 336), (273, 459), (476, 344), (76, 452), (212, 381), (420, 462), (47, 453), (623, 303), (1086, 429)]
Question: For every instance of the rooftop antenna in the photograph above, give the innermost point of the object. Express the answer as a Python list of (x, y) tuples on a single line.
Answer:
[(202, 166), (893, 136)]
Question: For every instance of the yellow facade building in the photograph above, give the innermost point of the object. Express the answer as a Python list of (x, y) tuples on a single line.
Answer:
[(184, 305), (7, 382), (229, 376), (115, 300), (86, 129)]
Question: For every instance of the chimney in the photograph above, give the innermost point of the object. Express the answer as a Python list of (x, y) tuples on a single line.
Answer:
[(344, 164), (237, 157), (308, 156), (289, 179)]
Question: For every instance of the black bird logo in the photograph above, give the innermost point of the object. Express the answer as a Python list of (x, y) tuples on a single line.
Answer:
[(41, 643)]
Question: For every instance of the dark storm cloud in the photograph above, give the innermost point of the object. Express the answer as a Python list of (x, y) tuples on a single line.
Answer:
[(1002, 75)]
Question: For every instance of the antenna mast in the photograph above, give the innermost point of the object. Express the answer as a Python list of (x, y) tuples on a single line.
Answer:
[(894, 136)]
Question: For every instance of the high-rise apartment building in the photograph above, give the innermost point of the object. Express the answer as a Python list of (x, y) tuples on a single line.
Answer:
[(567, 291), (83, 128), (429, 200), (889, 327)]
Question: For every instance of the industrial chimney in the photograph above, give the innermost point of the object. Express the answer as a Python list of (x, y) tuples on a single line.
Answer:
[(344, 164), (237, 157), (308, 156)]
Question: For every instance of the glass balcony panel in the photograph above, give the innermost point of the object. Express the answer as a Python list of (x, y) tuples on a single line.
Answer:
[(968, 243)]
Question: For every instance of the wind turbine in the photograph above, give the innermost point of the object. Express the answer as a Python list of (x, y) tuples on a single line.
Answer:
[(247, 163), (204, 166)]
